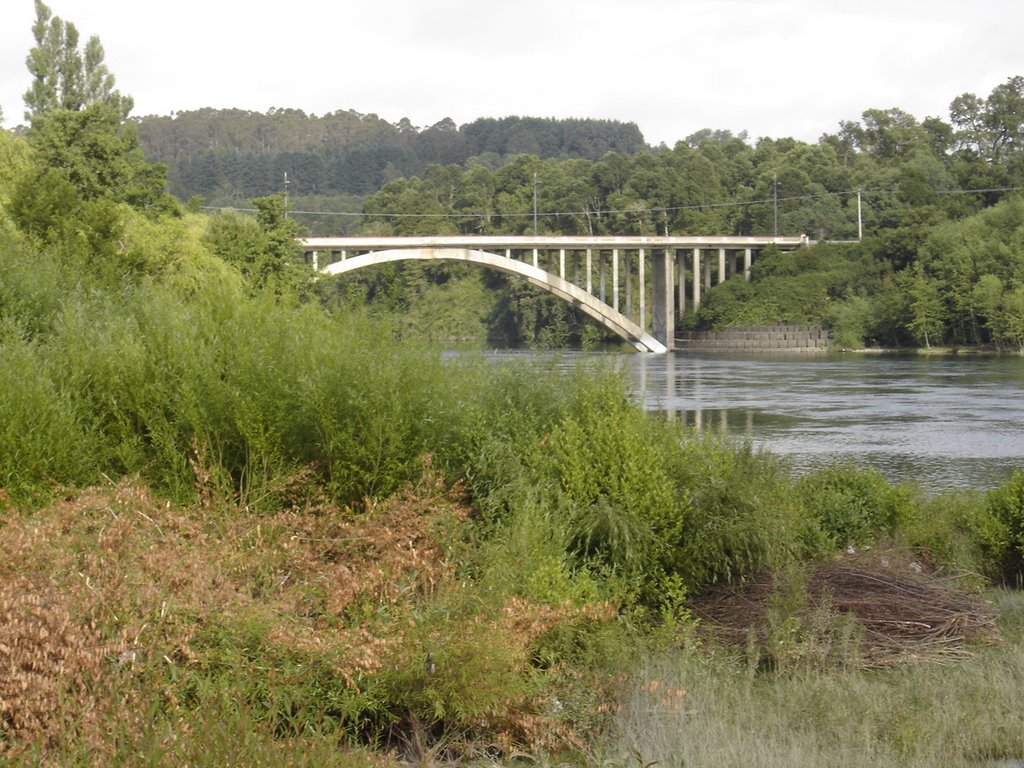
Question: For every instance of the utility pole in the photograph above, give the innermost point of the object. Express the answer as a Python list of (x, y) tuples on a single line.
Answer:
[(775, 201), (860, 222), (534, 203)]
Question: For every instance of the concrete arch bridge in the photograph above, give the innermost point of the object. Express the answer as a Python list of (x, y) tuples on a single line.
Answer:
[(633, 286)]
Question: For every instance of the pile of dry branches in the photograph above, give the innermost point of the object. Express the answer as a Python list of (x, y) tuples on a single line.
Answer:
[(899, 609)]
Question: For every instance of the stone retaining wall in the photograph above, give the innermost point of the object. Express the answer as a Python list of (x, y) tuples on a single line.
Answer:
[(770, 338)]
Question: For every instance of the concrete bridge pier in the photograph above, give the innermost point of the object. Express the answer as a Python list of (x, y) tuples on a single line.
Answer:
[(663, 323), (680, 268), (696, 279)]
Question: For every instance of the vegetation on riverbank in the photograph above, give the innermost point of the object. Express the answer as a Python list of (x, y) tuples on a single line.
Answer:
[(242, 523), (226, 500)]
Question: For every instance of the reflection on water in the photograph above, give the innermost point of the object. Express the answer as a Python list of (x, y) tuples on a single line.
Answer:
[(943, 422)]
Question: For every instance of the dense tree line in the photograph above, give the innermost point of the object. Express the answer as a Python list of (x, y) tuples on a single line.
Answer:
[(231, 154), (908, 173)]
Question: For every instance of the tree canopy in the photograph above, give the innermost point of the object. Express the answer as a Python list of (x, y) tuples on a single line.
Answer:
[(65, 76)]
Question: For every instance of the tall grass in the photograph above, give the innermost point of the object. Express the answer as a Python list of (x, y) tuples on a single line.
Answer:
[(254, 388), (696, 710), (45, 440)]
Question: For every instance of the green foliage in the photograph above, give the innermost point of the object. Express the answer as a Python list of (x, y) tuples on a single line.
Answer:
[(604, 458), (528, 553), (460, 673), (86, 175), (741, 517), (978, 266), (97, 155), (32, 288), (654, 513), (851, 319), (14, 161), (992, 127), (944, 531), (926, 308), (258, 386), (852, 505), (264, 250), (488, 428), (827, 282), (1002, 529), (232, 155), (46, 207), (65, 77), (45, 438)]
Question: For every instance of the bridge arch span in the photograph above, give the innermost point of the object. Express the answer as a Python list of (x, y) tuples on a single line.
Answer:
[(613, 320)]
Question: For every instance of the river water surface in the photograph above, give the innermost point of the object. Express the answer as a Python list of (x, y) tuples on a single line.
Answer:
[(944, 422)]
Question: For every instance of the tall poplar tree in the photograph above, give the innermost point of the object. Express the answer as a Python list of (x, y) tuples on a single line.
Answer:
[(87, 170), (65, 77)]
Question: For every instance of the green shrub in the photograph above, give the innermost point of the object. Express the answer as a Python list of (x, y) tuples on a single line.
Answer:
[(740, 516), (944, 531), (851, 505), (603, 454), (1001, 529), (44, 438), (659, 511), (850, 319)]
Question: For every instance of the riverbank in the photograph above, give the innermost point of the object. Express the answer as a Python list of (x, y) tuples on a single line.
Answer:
[(781, 338), (981, 350), (239, 529), (210, 635)]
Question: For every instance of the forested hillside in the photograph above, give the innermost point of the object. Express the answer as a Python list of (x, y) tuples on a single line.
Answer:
[(233, 155)]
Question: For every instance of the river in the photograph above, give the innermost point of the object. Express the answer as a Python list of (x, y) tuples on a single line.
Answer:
[(943, 422)]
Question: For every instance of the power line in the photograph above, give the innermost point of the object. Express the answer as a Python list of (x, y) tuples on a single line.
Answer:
[(611, 211)]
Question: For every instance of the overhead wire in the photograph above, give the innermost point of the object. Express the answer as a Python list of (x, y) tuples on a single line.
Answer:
[(610, 211)]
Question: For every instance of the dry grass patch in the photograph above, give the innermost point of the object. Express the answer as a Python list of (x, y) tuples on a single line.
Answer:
[(49, 657), (112, 591), (873, 609)]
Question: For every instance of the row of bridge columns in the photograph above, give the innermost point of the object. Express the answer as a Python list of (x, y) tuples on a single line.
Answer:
[(668, 280), (669, 271)]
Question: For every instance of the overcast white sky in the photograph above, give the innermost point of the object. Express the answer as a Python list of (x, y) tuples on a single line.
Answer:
[(772, 67)]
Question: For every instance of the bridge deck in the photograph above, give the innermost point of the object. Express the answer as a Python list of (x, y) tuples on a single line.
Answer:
[(550, 242)]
